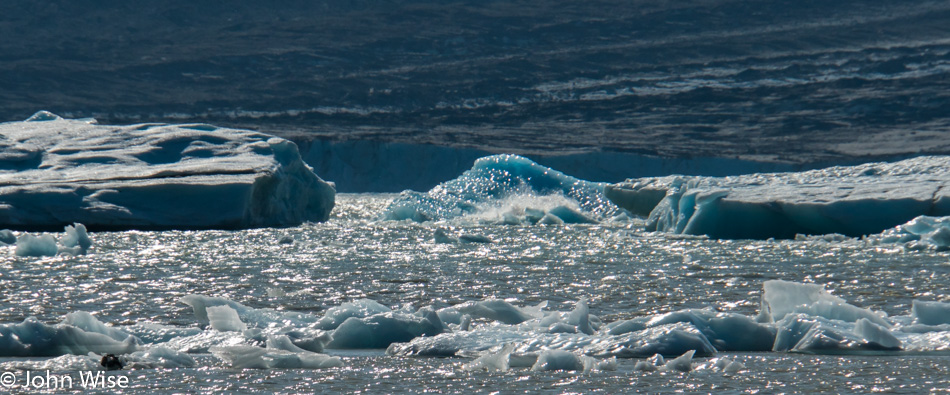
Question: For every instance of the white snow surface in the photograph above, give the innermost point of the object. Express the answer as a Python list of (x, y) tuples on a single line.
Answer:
[(55, 171), (850, 200)]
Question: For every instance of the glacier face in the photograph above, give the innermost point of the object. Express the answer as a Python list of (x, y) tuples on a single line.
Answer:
[(849, 200), (55, 171)]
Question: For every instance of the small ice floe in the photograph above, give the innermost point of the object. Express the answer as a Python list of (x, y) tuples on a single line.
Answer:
[(76, 241), (29, 245), (682, 363), (441, 236), (496, 361), (728, 366), (931, 313), (76, 335), (651, 364), (252, 357), (7, 237)]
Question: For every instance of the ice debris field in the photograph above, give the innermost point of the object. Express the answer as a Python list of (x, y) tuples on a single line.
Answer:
[(494, 335), (58, 174)]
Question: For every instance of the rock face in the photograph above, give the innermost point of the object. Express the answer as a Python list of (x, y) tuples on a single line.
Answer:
[(854, 200), (55, 171)]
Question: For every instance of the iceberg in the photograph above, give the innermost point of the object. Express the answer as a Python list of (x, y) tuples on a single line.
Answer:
[(931, 313), (55, 171), (849, 200), (923, 232), (492, 182), (32, 338), (782, 298), (29, 245), (381, 330)]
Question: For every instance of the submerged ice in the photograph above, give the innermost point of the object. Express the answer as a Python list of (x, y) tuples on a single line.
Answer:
[(56, 171), (849, 200)]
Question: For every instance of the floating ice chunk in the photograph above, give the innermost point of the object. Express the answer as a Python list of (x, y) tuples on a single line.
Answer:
[(29, 245), (470, 238), (466, 323), (931, 313), (495, 178), (381, 330), (728, 366), (34, 338), (251, 357), (609, 364), (499, 310), (571, 216), (76, 236), (651, 364), (154, 176), (497, 361), (580, 317), (551, 219), (225, 319), (784, 297), (201, 343), (842, 312), (157, 357), (551, 360), (781, 205), (357, 309), (7, 237), (673, 339), (682, 363), (283, 342), (638, 197), (644, 366), (726, 331), (812, 334), (533, 215), (87, 322), (442, 237), (470, 342), (259, 318), (923, 232), (309, 339), (670, 339), (657, 360), (875, 335)]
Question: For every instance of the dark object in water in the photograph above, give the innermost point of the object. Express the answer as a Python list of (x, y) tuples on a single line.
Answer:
[(111, 362)]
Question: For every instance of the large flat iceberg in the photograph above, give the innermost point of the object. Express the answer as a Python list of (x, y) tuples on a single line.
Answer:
[(850, 200), (55, 171)]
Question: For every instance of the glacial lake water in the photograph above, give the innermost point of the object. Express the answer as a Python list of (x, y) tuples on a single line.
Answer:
[(131, 277)]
